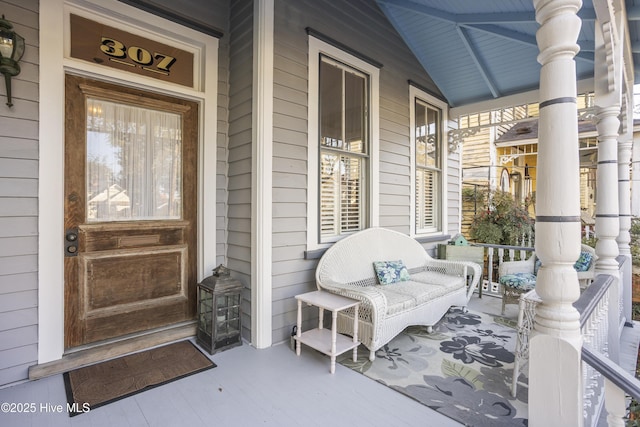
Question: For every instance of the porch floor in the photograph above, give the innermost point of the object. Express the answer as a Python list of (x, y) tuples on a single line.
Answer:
[(250, 387)]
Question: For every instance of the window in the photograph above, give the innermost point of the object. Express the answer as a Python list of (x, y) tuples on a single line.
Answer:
[(427, 135), (343, 149), (343, 135)]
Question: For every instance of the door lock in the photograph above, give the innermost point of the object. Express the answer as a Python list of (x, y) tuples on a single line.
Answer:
[(71, 242)]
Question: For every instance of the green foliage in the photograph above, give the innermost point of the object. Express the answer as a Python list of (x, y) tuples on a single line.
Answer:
[(635, 255), (633, 411), (635, 227), (632, 418), (504, 222), (474, 194), (635, 241), (590, 241), (635, 313), (530, 201), (633, 414)]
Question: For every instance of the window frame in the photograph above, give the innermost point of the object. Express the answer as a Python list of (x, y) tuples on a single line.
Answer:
[(317, 49), (433, 102)]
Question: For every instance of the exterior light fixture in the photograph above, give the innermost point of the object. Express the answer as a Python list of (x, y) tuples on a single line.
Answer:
[(11, 51)]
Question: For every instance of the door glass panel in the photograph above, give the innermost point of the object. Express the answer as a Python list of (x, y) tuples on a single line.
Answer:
[(134, 163)]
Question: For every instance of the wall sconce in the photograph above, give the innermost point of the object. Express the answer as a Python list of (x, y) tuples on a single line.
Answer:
[(11, 51)]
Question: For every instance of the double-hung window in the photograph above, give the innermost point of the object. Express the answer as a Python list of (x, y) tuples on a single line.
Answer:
[(343, 120), (344, 149), (427, 147)]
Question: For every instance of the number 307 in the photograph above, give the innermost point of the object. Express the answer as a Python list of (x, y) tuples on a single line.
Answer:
[(139, 55)]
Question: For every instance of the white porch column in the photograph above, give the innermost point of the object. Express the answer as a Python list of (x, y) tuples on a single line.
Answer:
[(608, 78), (607, 124), (555, 377), (624, 197), (607, 220)]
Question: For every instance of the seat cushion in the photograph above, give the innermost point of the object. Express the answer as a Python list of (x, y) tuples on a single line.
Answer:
[(520, 281), (406, 295)]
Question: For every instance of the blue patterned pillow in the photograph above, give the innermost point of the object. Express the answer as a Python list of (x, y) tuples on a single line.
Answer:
[(391, 272), (584, 262)]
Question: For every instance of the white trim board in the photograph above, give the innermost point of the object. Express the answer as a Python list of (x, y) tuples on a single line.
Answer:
[(416, 93), (262, 173)]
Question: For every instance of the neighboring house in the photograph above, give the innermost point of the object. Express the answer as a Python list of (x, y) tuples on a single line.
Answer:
[(258, 133), (504, 157), (501, 154), (517, 151)]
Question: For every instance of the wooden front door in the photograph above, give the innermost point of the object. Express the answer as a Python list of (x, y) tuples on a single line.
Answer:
[(130, 210)]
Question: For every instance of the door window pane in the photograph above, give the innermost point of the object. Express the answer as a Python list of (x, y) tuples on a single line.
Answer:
[(133, 163)]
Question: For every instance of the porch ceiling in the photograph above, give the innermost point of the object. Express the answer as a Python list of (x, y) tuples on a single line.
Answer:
[(481, 50)]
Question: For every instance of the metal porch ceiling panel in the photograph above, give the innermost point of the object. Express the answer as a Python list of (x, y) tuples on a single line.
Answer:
[(481, 50)]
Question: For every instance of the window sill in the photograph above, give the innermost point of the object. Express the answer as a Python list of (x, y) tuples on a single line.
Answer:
[(432, 239), (315, 253)]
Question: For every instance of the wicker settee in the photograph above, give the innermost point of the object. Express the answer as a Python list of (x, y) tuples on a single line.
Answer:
[(432, 288)]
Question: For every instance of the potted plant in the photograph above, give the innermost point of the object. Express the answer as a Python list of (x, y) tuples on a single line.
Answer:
[(504, 222)]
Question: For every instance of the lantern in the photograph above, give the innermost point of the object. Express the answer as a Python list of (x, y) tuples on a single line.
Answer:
[(219, 314), (11, 51)]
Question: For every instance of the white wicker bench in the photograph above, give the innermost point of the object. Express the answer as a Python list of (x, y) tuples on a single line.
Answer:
[(386, 310)]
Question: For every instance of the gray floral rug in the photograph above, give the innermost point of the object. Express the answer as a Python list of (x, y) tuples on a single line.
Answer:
[(462, 369)]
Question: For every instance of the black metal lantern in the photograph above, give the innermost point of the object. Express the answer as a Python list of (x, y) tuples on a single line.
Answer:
[(11, 51), (219, 314)]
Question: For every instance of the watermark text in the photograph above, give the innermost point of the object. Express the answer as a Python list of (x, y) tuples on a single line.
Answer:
[(42, 407)]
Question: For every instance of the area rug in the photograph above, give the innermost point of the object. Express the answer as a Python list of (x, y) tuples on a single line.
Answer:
[(462, 369), (97, 385)]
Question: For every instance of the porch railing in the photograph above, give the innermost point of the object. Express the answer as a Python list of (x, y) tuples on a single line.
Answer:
[(494, 255), (605, 383), (603, 315), (618, 383), (593, 306)]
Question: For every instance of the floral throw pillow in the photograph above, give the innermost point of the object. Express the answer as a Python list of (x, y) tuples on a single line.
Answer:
[(391, 272), (584, 262)]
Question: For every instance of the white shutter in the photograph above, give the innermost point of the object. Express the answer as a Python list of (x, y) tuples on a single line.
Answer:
[(426, 199), (351, 194), (329, 193)]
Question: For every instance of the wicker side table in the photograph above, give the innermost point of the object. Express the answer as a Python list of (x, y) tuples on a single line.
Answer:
[(326, 341)]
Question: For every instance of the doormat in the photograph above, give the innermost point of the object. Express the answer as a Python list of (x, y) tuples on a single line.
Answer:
[(100, 384), (463, 369)]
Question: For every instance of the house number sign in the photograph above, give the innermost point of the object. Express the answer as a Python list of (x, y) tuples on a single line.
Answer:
[(112, 47)]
